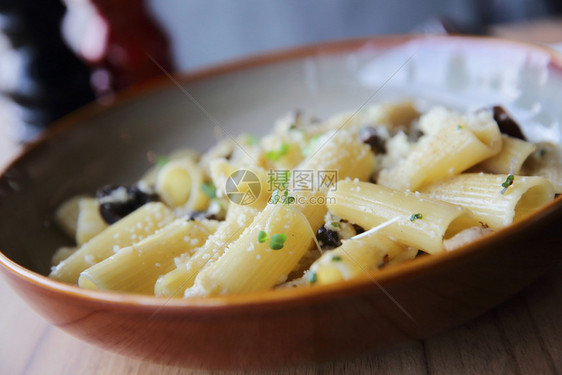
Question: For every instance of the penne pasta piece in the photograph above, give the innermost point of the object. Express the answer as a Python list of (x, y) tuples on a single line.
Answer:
[(349, 121), (489, 200), (341, 152), (66, 215), (257, 261), (222, 149), (248, 152), (465, 237), (135, 268), (61, 254), (454, 145), (149, 178), (90, 222), (422, 223), (132, 228), (179, 185), (357, 256), (546, 161), (392, 115), (284, 151), (509, 160), (175, 282), (242, 151)]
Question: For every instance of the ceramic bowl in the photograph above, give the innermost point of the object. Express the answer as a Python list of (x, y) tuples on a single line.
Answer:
[(100, 145)]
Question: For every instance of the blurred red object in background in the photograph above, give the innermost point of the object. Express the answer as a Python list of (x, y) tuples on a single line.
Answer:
[(119, 39), (115, 44)]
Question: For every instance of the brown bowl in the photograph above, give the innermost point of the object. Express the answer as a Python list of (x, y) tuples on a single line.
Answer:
[(100, 145)]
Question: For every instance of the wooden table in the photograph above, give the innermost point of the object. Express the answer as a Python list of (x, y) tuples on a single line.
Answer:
[(522, 336)]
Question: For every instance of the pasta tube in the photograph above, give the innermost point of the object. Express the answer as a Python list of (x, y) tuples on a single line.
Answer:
[(284, 151), (134, 227), (61, 254), (66, 215), (489, 199), (423, 223), (135, 268), (149, 178), (445, 151), (546, 162), (342, 152), (392, 115), (251, 264), (179, 185), (510, 159), (175, 282), (357, 256), (89, 222)]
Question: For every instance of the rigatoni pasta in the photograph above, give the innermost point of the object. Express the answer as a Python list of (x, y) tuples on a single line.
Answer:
[(178, 184), (546, 161), (495, 200), (510, 159), (131, 229), (356, 256), (453, 146), (422, 222), (89, 222), (250, 264), (314, 202), (135, 268), (175, 282)]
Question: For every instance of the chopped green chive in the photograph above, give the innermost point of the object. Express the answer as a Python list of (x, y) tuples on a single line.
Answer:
[(162, 160), (507, 183), (416, 216), (335, 224), (209, 190), (312, 278), (272, 155), (262, 236), (275, 155), (252, 140), (542, 152), (284, 149), (336, 258), (277, 241)]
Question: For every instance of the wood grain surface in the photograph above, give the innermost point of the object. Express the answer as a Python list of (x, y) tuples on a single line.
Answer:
[(521, 336)]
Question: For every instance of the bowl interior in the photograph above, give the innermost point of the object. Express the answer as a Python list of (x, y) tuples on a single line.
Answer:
[(113, 145)]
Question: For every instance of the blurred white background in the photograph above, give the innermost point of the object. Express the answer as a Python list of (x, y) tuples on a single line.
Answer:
[(207, 32)]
